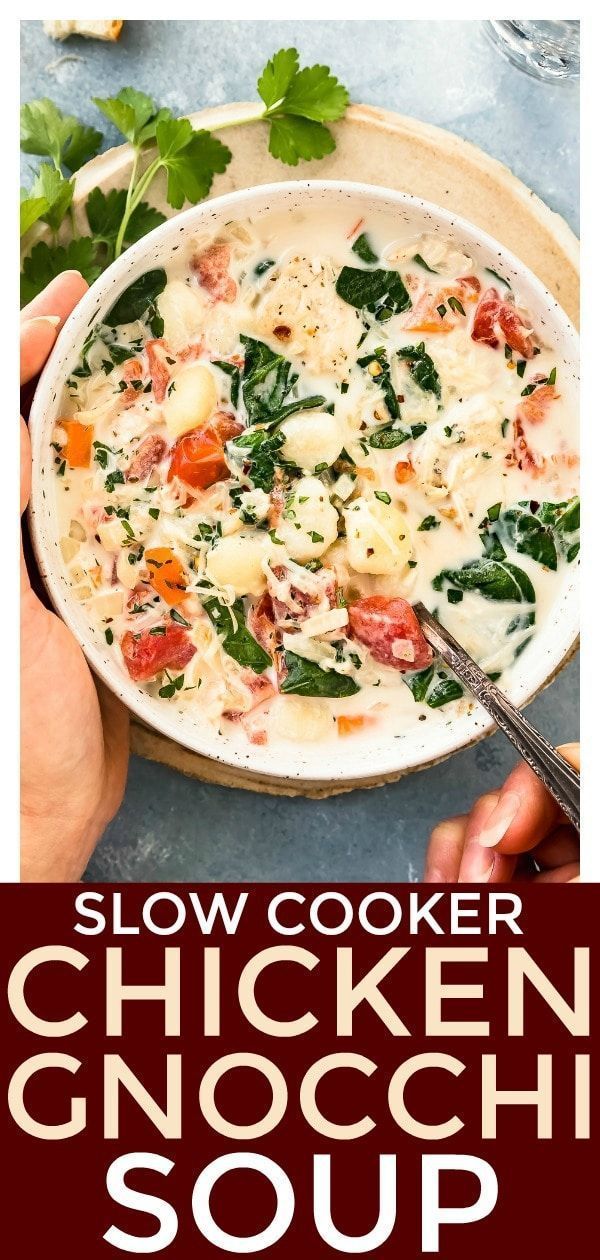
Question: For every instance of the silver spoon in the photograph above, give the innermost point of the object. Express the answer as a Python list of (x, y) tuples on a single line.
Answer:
[(561, 780)]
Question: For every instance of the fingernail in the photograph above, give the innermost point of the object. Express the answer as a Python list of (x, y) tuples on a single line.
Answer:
[(477, 865), (499, 820), (53, 320)]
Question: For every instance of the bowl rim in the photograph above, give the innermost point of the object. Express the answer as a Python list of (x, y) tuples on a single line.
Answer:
[(137, 701)]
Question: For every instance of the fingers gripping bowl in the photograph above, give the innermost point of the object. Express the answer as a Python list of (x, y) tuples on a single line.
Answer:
[(270, 428)]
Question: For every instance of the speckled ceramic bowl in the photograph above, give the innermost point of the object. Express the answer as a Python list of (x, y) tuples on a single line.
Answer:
[(365, 758)]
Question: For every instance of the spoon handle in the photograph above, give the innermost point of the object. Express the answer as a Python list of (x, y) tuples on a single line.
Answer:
[(561, 780)]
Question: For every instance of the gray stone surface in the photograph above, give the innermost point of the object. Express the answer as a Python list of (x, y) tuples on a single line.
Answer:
[(447, 73)]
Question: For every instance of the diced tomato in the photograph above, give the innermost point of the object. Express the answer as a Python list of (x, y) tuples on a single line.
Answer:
[(261, 623), (160, 370), (197, 459), (425, 315), (212, 269), (391, 631), (147, 654), (148, 454), (403, 471), (497, 320), (78, 447), (534, 407), (167, 575)]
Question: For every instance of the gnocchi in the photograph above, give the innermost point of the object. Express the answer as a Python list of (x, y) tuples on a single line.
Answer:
[(191, 400)]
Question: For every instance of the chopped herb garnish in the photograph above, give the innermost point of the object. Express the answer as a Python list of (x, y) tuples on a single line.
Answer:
[(429, 522), (181, 621), (383, 496), (109, 636), (455, 305)]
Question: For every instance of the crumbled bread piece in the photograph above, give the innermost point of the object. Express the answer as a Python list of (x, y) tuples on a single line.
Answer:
[(107, 30)]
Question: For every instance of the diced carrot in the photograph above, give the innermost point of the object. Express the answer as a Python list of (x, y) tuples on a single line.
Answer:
[(349, 725), (403, 471), (78, 447), (167, 575)]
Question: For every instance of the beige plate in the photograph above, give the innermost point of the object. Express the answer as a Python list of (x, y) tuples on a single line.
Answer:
[(382, 148)]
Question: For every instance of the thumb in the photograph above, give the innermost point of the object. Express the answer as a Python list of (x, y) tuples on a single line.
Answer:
[(526, 812)]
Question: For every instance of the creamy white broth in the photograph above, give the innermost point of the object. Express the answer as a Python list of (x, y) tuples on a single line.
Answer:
[(460, 463)]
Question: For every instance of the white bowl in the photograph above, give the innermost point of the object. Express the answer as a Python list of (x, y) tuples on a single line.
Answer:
[(352, 759)]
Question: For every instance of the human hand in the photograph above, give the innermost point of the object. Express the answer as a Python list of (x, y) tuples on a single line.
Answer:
[(518, 832), (74, 732)]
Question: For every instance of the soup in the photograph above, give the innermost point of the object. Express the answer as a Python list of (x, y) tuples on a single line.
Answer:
[(277, 443)]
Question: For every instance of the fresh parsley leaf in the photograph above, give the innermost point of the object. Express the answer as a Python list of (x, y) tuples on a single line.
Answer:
[(277, 76), (105, 213), (45, 130), (316, 93), (129, 111), (30, 210), (56, 191), (298, 103), (45, 262), (305, 678), (191, 160), (292, 139)]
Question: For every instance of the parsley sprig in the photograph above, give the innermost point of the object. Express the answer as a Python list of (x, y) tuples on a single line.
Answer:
[(298, 105)]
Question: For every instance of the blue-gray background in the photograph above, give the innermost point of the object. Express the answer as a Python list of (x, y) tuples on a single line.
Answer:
[(171, 827)]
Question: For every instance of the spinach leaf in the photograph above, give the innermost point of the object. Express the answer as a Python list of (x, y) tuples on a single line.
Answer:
[(138, 299), (422, 368), (305, 678), (443, 692), (261, 450), (386, 438), (231, 370), (529, 536), (420, 682), (383, 293), (564, 519), (363, 249), (418, 258), (381, 375), (238, 641), (493, 579), (267, 379), (543, 531)]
